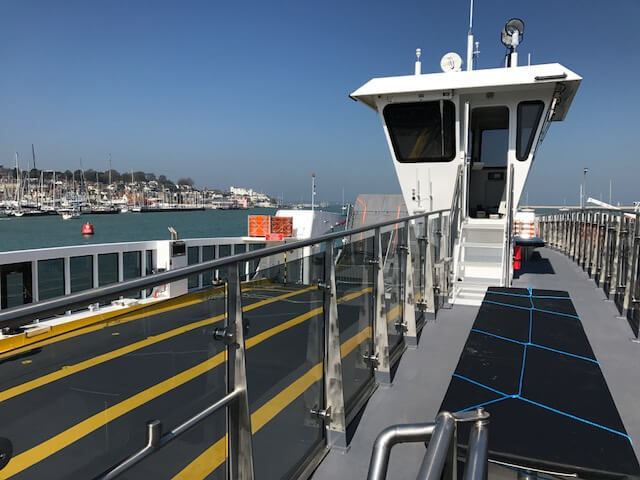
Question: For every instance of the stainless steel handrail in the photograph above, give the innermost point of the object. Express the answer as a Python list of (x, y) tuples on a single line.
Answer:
[(606, 246), (155, 439), (20, 315), (390, 436), (441, 449)]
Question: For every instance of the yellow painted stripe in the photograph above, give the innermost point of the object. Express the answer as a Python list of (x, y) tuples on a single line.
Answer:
[(17, 344), (394, 313), (58, 442), (348, 346), (215, 455), (265, 413), (92, 362), (85, 427)]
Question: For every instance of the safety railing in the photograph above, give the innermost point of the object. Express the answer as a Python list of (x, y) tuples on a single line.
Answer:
[(606, 244), (235, 374), (441, 458)]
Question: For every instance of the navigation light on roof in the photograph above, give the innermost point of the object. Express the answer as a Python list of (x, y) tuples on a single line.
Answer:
[(513, 33)]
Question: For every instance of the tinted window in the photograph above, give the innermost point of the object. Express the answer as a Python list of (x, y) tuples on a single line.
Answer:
[(529, 114), (81, 272), (422, 132), (51, 278)]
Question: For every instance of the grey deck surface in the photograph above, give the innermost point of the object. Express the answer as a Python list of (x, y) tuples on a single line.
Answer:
[(423, 375)]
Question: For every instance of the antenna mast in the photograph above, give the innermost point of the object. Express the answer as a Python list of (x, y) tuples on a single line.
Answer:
[(470, 39)]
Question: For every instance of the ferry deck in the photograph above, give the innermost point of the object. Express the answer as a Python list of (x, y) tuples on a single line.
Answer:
[(423, 326)]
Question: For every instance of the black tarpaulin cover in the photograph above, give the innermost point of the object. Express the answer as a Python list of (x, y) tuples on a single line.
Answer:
[(528, 362)]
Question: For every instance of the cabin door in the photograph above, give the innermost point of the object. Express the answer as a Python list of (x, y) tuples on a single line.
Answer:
[(489, 140)]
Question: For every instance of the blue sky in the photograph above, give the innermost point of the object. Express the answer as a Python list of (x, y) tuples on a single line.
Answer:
[(255, 93)]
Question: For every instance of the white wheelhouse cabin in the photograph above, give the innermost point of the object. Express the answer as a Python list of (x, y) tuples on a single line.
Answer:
[(481, 128)]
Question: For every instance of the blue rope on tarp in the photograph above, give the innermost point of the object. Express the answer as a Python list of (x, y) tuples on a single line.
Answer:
[(525, 345)]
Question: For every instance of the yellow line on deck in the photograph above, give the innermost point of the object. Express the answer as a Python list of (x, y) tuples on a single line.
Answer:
[(65, 371), (216, 454), (56, 443)]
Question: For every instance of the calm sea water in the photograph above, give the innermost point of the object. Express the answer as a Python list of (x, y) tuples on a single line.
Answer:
[(52, 231)]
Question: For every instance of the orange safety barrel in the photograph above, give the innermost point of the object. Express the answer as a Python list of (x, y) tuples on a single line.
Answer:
[(259, 225), (282, 226)]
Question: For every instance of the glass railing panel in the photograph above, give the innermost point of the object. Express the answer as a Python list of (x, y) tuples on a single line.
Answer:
[(221, 273), (208, 253), (354, 285), (81, 273), (193, 257), (107, 269), (253, 264), (240, 248), (73, 407), (393, 274), (50, 278), (285, 348)]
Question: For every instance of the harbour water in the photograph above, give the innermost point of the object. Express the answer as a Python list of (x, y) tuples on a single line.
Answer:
[(53, 231)]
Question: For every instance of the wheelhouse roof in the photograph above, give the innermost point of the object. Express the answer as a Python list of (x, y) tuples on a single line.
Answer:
[(493, 79)]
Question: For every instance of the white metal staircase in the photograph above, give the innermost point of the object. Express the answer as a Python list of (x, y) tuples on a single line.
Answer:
[(479, 259)]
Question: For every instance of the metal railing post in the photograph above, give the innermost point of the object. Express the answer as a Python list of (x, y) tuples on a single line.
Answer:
[(604, 270), (434, 461), (333, 385), (240, 464), (429, 293), (408, 310), (476, 466), (634, 244), (381, 336), (616, 246)]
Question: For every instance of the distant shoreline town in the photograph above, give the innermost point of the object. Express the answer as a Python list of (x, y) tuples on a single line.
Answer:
[(71, 193)]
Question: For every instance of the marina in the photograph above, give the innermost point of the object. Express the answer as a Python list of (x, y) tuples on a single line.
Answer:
[(445, 332)]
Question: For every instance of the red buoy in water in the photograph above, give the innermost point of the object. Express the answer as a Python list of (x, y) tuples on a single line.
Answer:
[(87, 229)]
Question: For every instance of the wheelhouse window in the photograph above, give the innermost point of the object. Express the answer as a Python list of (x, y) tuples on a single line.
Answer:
[(423, 131), (529, 114)]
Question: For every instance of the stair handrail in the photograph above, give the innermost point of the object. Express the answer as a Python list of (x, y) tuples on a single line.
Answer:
[(455, 213)]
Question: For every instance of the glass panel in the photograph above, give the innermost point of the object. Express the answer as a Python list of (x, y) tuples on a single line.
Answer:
[(223, 251), (253, 264), (393, 279), (208, 253), (81, 273), (239, 248), (15, 284), (50, 278), (149, 267), (107, 268), (157, 362), (354, 284), (417, 132), (193, 254), (285, 349), (15, 287), (131, 265), (529, 114)]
